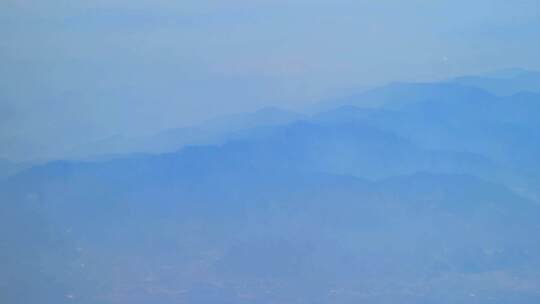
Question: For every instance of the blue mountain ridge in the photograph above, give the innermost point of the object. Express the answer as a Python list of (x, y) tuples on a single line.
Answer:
[(410, 193)]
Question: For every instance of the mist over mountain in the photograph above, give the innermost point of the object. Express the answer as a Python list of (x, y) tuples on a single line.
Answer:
[(8, 168), (417, 101), (504, 82), (211, 132), (407, 193), (269, 152), (397, 95)]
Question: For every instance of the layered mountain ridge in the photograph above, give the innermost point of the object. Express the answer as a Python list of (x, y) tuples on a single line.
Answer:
[(409, 193)]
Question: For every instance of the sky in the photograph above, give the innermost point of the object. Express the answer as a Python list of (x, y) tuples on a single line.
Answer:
[(73, 72)]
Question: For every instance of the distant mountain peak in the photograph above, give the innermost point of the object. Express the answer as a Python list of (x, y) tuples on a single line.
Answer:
[(509, 73), (399, 94), (503, 82)]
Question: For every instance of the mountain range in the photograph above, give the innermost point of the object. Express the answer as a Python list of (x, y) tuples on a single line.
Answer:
[(406, 193)]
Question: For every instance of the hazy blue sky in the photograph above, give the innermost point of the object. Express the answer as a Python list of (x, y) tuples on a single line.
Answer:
[(75, 71)]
